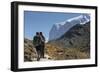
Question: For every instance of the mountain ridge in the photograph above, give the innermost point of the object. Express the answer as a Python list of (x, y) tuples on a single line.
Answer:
[(59, 29), (77, 37)]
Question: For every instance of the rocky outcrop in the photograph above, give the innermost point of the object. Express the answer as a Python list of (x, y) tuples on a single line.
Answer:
[(29, 50)]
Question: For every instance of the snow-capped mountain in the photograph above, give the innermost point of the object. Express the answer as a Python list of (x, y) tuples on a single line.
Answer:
[(59, 29)]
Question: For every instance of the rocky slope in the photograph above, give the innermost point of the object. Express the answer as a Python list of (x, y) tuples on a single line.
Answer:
[(76, 41), (53, 52), (29, 50), (77, 37)]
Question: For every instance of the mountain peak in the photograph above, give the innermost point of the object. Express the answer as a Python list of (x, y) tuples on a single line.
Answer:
[(59, 29), (82, 19)]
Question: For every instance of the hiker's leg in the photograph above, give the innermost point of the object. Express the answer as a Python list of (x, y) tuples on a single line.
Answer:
[(39, 54), (38, 58), (42, 51), (36, 52), (37, 49)]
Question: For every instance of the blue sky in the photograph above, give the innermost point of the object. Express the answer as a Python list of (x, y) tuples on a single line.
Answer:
[(43, 22)]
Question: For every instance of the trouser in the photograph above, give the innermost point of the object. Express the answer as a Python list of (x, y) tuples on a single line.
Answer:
[(38, 49), (42, 51)]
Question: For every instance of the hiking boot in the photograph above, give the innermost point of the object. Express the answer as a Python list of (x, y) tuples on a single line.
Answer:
[(38, 59)]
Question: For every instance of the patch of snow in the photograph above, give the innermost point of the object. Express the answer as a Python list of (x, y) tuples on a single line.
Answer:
[(59, 29)]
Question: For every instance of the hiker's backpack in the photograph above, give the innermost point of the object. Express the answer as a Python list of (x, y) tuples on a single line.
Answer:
[(36, 41)]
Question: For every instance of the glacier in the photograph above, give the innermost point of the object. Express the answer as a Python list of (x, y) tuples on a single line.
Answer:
[(58, 29)]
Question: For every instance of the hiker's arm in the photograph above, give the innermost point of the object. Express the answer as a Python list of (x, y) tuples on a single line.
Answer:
[(44, 38), (33, 40)]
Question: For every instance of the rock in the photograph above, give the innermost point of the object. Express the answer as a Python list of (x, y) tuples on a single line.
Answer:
[(29, 50)]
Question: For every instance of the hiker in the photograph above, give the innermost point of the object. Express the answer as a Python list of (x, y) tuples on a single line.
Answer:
[(42, 45), (36, 43)]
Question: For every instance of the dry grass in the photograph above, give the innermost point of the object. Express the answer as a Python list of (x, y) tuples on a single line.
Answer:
[(29, 52), (55, 53), (59, 53)]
